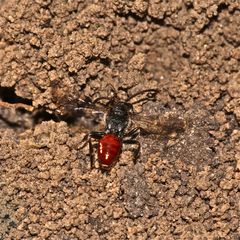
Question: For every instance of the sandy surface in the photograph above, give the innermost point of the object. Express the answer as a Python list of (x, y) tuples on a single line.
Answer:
[(186, 187)]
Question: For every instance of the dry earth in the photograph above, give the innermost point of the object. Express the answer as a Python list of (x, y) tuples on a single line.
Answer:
[(185, 187)]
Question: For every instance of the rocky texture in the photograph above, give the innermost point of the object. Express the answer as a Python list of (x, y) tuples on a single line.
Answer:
[(182, 187)]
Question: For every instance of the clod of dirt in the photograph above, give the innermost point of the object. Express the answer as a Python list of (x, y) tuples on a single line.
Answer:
[(185, 184)]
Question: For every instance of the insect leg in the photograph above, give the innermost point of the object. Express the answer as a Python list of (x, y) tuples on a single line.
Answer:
[(112, 89), (110, 99), (136, 152), (135, 132), (151, 95), (97, 100), (94, 135), (91, 151), (87, 140)]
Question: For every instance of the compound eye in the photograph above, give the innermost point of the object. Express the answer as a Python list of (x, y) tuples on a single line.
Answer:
[(129, 107)]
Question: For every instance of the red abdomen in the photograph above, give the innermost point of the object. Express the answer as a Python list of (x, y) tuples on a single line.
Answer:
[(109, 148)]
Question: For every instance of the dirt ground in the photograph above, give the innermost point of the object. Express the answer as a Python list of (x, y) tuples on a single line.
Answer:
[(182, 187)]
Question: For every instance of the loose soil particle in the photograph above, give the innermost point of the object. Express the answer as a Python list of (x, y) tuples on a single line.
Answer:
[(184, 187)]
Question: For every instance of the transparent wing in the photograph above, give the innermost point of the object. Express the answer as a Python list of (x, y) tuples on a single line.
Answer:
[(70, 104), (168, 125), (69, 101)]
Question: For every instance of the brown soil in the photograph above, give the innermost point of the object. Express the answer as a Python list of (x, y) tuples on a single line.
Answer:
[(186, 187)]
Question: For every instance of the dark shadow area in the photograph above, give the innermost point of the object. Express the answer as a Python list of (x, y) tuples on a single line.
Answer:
[(8, 95)]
